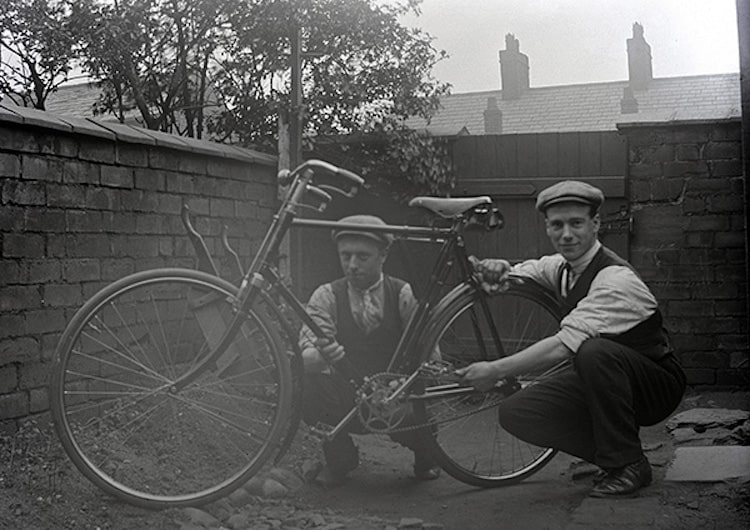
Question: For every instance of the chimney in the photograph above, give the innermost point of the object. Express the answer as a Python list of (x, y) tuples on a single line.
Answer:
[(628, 103), (493, 118), (639, 60), (514, 69)]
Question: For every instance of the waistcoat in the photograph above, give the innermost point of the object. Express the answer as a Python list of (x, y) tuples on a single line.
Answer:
[(648, 337), (369, 353)]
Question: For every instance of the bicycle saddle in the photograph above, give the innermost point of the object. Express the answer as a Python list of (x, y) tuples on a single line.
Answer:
[(451, 207)]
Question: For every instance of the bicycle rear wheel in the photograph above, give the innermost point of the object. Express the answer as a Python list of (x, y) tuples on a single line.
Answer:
[(113, 402), (468, 442)]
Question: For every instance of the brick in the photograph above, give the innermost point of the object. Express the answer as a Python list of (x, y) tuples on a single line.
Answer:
[(715, 290), (164, 159), (731, 273), (701, 359), (698, 239), (84, 221), (685, 169), (149, 224), (14, 405), (734, 378), (8, 378), (10, 271), (732, 342), (700, 376), (690, 308), (178, 183), (44, 220), (688, 152), (43, 271), (729, 239), (10, 165), (170, 204), (114, 269), (81, 270), (98, 151), (726, 203), (64, 196), (731, 307), (122, 222), (41, 168), (694, 342), (52, 143), (707, 222), (20, 349), (132, 155), (102, 199), (190, 163), (23, 193), (38, 399), (61, 294), (701, 185), (117, 176), (135, 246), (55, 245), (11, 219), (667, 189), (221, 208), (23, 245), (33, 375), (11, 325), (39, 321), (646, 170), (723, 150), (139, 201), (79, 172), (150, 179), (725, 168), (88, 246)]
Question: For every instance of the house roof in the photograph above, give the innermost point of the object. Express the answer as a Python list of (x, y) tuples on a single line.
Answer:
[(589, 107)]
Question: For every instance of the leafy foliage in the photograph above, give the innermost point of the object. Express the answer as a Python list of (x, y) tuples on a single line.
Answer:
[(36, 49)]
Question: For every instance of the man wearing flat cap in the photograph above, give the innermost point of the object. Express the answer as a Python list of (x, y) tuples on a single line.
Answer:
[(364, 313), (621, 372)]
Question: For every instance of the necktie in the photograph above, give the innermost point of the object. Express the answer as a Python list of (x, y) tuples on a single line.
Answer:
[(370, 319), (566, 280)]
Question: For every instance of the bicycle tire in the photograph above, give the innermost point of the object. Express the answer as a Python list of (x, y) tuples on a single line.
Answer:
[(114, 408), (468, 441)]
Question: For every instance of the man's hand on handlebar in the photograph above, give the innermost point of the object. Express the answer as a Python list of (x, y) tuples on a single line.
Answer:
[(330, 350), (492, 273)]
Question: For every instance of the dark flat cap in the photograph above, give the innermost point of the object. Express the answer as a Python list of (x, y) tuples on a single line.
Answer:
[(382, 238), (569, 191)]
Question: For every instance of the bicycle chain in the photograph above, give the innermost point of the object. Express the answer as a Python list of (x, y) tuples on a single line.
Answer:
[(363, 405)]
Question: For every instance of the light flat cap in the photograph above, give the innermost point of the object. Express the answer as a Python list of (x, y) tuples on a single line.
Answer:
[(569, 191), (382, 238)]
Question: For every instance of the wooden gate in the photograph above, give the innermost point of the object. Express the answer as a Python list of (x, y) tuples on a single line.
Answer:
[(512, 169)]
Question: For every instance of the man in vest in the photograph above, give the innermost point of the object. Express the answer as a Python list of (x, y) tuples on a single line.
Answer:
[(622, 372), (364, 314)]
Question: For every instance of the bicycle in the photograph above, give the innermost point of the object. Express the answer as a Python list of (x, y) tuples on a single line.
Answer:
[(173, 387)]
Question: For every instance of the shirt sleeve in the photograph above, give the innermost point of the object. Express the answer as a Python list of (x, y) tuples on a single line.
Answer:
[(617, 301), (544, 270), (322, 309)]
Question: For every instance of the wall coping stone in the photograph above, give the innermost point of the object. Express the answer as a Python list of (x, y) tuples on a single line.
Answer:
[(119, 132), (676, 123)]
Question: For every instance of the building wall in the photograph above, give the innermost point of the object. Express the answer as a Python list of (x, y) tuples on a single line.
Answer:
[(687, 200), (82, 205)]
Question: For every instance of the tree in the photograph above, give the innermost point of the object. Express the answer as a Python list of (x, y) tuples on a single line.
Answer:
[(153, 56), (363, 72), (36, 49)]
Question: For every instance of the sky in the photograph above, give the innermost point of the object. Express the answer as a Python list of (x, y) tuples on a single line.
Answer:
[(578, 41)]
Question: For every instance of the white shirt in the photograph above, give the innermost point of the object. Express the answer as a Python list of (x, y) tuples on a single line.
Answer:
[(617, 300)]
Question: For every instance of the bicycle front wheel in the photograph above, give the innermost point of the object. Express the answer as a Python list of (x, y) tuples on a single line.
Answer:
[(468, 441), (114, 403)]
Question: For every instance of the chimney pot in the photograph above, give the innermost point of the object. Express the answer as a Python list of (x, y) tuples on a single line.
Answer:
[(640, 71), (514, 69)]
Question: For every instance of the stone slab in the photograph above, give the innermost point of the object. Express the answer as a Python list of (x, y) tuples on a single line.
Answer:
[(709, 464)]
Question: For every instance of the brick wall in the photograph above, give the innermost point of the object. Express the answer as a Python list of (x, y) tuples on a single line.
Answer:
[(686, 192), (82, 204)]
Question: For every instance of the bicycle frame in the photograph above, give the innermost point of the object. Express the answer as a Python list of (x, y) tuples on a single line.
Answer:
[(263, 277)]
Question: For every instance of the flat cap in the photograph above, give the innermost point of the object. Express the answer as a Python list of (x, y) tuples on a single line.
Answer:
[(569, 191), (382, 238)]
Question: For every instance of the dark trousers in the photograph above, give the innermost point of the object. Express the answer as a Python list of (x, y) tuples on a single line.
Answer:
[(328, 398), (594, 408)]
